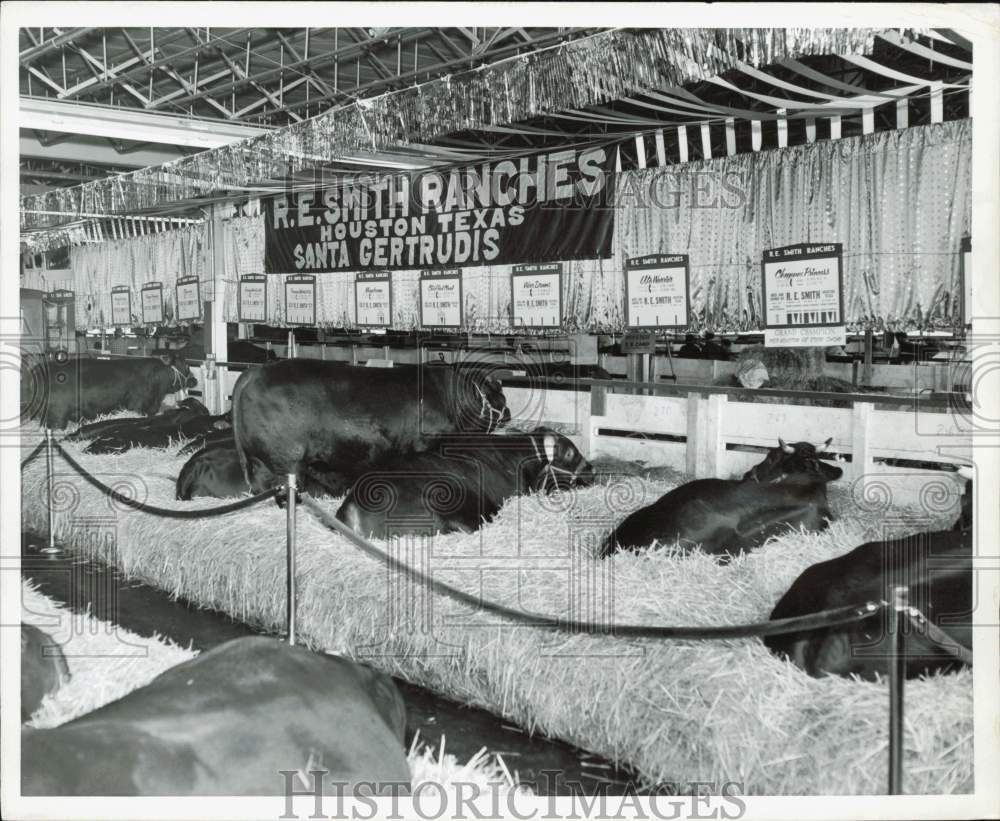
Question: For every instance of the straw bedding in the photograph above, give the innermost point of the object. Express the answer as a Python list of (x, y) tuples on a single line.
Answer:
[(675, 711), (107, 662)]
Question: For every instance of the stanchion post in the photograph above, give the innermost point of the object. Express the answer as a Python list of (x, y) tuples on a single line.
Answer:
[(897, 682), (49, 480), (290, 551)]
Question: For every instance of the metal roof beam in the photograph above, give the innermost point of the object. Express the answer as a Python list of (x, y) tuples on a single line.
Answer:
[(61, 39), (129, 124), (84, 152)]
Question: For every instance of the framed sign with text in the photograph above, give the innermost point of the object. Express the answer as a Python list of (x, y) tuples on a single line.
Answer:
[(121, 305), (188, 298), (373, 299), (152, 303), (966, 277), (252, 298), (536, 295), (803, 295), (300, 299), (441, 298), (657, 291)]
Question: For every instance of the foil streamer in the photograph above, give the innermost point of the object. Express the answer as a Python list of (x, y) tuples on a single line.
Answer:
[(577, 74)]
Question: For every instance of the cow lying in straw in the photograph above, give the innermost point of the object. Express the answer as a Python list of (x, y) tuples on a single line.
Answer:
[(228, 723), (937, 568), (725, 516)]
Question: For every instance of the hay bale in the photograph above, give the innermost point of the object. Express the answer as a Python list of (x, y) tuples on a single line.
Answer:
[(672, 710)]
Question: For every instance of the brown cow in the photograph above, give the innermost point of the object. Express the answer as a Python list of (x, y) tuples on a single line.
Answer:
[(228, 723)]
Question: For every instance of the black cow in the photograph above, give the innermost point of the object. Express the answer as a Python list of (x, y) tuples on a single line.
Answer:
[(161, 430), (237, 350), (460, 482), (80, 389), (294, 413), (937, 568), (215, 471), (231, 722), (725, 516)]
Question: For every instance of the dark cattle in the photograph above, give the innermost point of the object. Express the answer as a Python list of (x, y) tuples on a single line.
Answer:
[(43, 668), (237, 350), (723, 516), (227, 723), (188, 420), (215, 471), (460, 482), (209, 439), (937, 568), (298, 412), (81, 389)]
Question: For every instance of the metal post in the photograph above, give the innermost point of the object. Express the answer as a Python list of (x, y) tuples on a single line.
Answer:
[(869, 357), (897, 681), (49, 478), (290, 553)]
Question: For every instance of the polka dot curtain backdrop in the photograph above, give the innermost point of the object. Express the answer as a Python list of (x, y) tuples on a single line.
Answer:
[(899, 203)]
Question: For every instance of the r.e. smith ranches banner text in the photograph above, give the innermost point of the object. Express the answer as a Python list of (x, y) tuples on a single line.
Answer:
[(542, 208)]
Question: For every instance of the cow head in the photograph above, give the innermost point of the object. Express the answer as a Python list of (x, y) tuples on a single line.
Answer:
[(557, 465), (965, 518), (182, 378), (798, 459)]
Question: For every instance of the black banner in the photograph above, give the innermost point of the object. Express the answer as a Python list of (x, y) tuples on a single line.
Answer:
[(542, 208)]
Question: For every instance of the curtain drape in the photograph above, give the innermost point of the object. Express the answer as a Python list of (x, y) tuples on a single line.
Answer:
[(898, 201)]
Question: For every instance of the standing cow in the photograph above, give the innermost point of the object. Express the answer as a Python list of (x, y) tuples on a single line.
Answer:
[(725, 516), (290, 415), (59, 393)]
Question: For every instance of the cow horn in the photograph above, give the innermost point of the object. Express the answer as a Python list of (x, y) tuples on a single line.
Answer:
[(549, 443), (784, 447), (822, 448)]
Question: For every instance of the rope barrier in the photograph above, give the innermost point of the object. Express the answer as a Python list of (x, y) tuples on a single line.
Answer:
[(827, 618), (37, 449), (936, 636), (162, 511)]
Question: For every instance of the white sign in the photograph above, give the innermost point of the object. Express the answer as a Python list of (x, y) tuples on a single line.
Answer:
[(805, 337), (188, 298), (536, 295), (656, 291), (441, 299), (373, 300), (121, 305), (253, 298), (802, 286), (152, 303), (300, 300)]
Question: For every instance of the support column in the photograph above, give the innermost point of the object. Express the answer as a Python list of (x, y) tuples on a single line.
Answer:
[(217, 321)]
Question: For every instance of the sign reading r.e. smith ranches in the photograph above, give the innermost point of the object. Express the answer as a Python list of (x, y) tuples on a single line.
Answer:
[(546, 207)]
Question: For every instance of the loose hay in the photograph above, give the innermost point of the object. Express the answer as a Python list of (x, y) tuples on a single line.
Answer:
[(107, 662), (675, 711)]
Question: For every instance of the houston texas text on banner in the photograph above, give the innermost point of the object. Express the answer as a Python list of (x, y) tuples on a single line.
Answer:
[(542, 208)]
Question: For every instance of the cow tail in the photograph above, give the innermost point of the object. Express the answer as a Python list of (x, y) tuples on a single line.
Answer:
[(241, 448)]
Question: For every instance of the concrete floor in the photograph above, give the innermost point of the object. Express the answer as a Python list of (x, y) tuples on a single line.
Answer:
[(550, 767)]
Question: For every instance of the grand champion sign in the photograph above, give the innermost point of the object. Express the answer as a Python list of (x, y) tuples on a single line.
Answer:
[(373, 300), (151, 297), (657, 291), (803, 295), (300, 299), (546, 207), (188, 298), (252, 301), (536, 295), (121, 305), (441, 298)]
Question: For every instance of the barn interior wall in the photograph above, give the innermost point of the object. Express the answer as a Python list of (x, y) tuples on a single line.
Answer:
[(898, 201)]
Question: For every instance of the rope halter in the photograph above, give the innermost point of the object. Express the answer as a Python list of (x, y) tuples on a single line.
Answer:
[(552, 470)]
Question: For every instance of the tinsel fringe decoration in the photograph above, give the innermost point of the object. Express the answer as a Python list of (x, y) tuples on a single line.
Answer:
[(576, 74)]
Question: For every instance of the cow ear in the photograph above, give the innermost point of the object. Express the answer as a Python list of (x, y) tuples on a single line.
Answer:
[(549, 442), (166, 359), (822, 448), (784, 447)]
